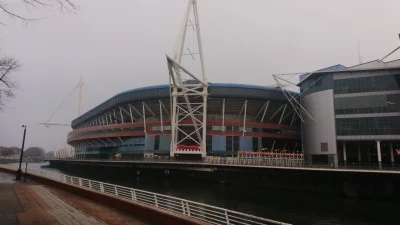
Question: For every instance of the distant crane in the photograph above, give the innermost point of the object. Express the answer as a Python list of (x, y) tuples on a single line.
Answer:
[(78, 87)]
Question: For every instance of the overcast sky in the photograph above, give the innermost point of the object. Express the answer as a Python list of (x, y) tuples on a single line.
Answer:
[(120, 45)]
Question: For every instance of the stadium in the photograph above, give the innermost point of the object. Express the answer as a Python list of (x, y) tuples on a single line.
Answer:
[(137, 123)]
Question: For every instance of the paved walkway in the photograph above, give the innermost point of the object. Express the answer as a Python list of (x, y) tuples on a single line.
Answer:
[(9, 204), (33, 204)]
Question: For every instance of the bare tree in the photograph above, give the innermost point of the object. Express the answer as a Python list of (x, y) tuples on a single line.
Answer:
[(63, 5), (8, 86), (8, 65)]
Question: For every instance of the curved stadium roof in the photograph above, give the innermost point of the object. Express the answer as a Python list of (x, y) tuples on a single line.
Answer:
[(156, 92)]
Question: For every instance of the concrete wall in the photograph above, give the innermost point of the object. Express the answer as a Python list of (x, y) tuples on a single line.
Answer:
[(320, 106)]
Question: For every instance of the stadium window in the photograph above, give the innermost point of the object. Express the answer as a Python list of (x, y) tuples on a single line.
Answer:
[(157, 143), (255, 144), (236, 143), (209, 143), (138, 141), (228, 143)]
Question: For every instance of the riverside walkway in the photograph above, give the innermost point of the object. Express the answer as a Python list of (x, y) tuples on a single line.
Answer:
[(74, 200), (32, 203)]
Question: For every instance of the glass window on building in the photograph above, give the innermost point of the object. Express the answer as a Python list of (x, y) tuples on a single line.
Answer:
[(368, 104), (368, 126), (367, 84)]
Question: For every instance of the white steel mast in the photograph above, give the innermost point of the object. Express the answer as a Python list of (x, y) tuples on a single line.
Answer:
[(185, 94)]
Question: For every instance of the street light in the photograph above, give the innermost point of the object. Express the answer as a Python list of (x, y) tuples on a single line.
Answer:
[(19, 171)]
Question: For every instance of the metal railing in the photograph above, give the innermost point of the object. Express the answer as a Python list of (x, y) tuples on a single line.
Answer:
[(270, 161), (267, 162), (208, 213)]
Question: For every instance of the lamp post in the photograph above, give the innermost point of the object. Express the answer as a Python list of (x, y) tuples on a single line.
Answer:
[(19, 171)]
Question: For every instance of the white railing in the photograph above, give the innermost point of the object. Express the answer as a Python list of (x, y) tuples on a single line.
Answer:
[(208, 213)]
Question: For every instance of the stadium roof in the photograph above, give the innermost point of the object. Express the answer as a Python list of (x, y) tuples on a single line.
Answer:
[(159, 92)]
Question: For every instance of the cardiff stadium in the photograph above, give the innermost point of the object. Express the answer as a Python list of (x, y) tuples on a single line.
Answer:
[(137, 123)]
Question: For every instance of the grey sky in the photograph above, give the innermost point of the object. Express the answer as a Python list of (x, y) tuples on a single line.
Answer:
[(120, 45)]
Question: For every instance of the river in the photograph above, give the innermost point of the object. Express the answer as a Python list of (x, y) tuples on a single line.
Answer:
[(283, 205)]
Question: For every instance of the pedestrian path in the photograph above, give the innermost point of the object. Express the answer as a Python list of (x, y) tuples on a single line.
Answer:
[(42, 207), (9, 204), (33, 204)]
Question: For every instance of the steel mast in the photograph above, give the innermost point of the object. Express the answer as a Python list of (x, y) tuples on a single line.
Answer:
[(188, 111)]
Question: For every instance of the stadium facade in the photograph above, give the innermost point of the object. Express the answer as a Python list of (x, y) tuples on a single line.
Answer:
[(356, 112), (137, 123)]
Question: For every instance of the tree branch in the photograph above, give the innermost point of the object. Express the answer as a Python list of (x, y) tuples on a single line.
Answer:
[(7, 66), (64, 5)]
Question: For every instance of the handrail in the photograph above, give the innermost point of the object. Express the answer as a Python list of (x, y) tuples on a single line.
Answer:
[(208, 213), (266, 161)]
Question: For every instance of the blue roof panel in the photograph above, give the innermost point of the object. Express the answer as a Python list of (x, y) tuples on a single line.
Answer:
[(328, 69)]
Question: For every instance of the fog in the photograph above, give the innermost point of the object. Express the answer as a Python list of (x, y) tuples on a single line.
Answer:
[(121, 45)]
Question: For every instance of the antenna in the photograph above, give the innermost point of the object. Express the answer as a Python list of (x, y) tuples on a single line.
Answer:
[(359, 55)]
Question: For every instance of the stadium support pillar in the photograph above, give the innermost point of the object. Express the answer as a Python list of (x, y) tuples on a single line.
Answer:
[(359, 152), (283, 113), (120, 113), (144, 120), (244, 117), (344, 154), (161, 117), (378, 152), (391, 153), (130, 113), (292, 121), (173, 119), (223, 116), (265, 110), (204, 144)]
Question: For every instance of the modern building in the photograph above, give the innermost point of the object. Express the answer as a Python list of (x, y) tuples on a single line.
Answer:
[(137, 123), (356, 112)]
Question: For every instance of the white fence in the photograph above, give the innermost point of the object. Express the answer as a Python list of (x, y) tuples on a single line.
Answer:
[(208, 213)]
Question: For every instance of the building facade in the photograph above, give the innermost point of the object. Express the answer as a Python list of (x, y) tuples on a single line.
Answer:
[(136, 123), (356, 112)]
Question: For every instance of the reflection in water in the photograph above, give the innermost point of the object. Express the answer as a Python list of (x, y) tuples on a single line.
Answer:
[(283, 205)]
